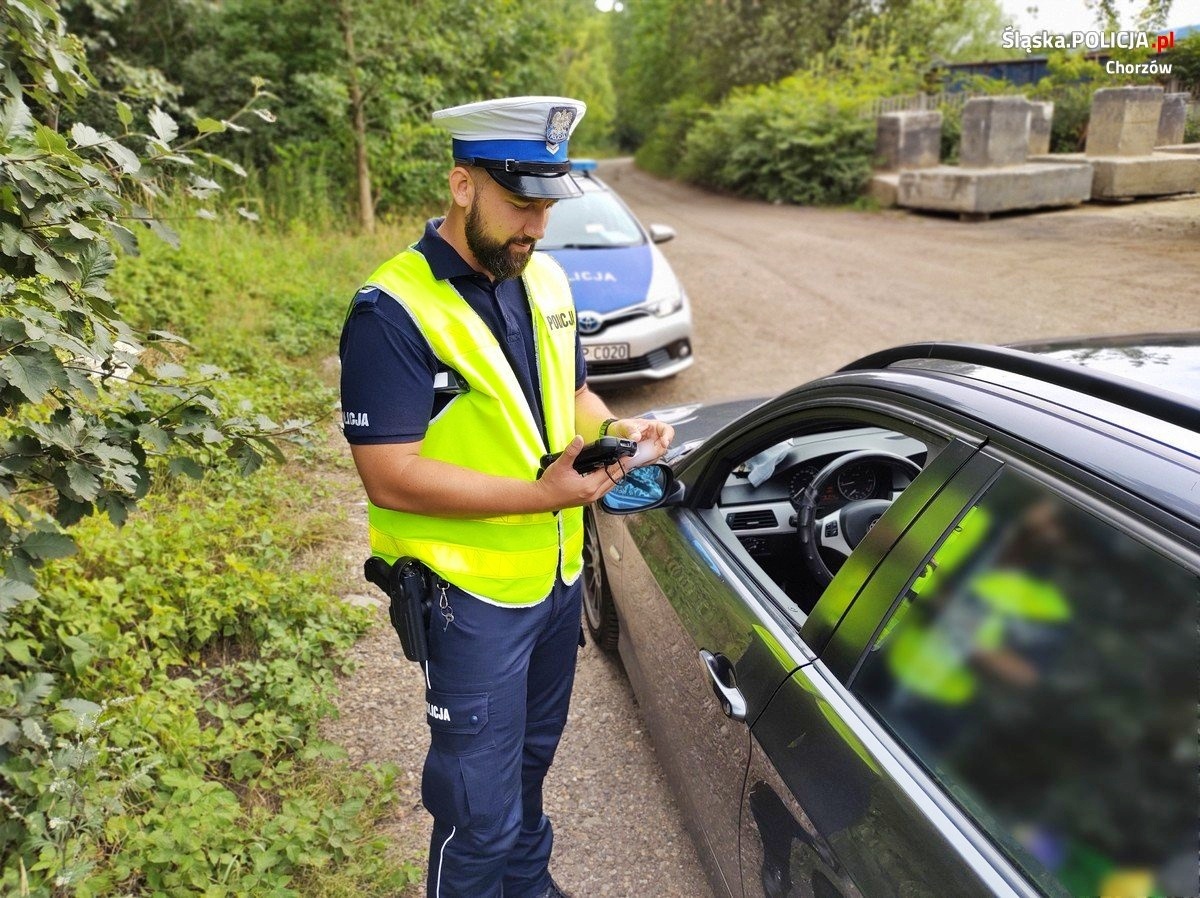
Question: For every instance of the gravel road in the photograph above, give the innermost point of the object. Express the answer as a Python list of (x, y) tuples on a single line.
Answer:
[(780, 294)]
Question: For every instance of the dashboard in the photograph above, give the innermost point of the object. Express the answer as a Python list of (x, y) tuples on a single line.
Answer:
[(763, 493)]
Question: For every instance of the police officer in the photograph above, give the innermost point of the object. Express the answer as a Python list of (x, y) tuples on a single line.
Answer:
[(461, 367)]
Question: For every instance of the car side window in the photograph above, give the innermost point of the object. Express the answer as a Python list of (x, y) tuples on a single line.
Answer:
[(833, 477), (1043, 669)]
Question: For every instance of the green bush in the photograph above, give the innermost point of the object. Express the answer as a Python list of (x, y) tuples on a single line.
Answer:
[(805, 139), (1070, 84), (186, 657), (1191, 127), (409, 165), (663, 148), (219, 646)]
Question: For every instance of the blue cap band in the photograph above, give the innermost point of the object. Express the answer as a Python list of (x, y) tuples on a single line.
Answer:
[(499, 150)]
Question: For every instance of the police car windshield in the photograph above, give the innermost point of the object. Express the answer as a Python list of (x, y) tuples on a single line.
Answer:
[(596, 220)]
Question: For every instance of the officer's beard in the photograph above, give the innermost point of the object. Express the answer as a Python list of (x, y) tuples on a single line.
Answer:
[(500, 260)]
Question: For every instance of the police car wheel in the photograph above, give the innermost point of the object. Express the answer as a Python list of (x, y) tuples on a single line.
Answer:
[(598, 609)]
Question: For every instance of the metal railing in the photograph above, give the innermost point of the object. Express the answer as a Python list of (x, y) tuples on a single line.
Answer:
[(916, 102)]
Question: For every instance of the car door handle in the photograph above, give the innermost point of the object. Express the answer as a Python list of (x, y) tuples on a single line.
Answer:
[(720, 671)]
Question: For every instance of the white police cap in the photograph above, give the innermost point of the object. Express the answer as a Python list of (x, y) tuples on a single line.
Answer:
[(520, 141)]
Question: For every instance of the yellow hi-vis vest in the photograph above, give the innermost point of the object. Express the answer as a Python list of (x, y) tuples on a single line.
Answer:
[(509, 559)]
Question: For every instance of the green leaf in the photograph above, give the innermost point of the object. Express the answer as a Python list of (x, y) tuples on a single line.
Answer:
[(86, 135), (18, 650), (35, 688), (164, 126), (164, 233), (83, 483), (84, 712), (13, 592), (12, 329), (168, 337), (51, 141), (157, 438), (222, 162), (68, 512), (31, 374), (186, 466), (248, 460), (33, 732), (124, 113), (96, 263), (209, 126), (244, 765), (57, 268), (42, 544), (124, 157), (125, 238), (170, 371), (202, 188), (15, 119), (9, 731)]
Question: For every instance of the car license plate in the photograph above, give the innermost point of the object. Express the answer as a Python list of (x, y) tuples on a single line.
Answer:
[(606, 352)]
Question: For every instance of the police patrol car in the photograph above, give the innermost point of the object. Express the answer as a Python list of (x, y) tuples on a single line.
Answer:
[(633, 314)]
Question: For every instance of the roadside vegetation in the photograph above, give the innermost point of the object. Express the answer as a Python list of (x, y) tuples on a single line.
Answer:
[(180, 235)]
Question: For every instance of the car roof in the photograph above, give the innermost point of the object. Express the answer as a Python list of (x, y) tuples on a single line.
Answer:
[(1167, 361), (1142, 437), (1059, 369), (589, 183)]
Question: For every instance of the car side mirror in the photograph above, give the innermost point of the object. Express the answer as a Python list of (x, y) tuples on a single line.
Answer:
[(661, 233), (642, 489)]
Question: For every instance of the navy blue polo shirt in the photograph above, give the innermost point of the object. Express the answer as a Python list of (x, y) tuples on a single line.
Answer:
[(388, 367)]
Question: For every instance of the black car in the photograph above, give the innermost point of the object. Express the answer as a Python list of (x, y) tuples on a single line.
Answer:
[(928, 625)]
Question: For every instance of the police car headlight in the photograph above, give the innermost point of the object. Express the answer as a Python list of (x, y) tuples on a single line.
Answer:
[(662, 306)]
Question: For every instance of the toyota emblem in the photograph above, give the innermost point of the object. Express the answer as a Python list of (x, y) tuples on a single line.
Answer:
[(589, 322)]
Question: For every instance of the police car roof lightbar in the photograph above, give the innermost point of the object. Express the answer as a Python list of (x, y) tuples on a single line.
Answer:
[(583, 165)]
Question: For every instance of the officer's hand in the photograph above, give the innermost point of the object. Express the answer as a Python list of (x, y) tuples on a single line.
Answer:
[(566, 488), (653, 437)]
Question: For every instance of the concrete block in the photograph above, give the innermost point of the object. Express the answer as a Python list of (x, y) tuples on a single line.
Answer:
[(1124, 121), (995, 132), (907, 140), (1172, 119), (978, 192), (884, 188), (1041, 115), (1187, 148), (1157, 175)]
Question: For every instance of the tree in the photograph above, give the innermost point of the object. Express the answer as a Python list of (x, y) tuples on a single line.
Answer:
[(1152, 15), (1185, 62), (362, 165), (91, 409)]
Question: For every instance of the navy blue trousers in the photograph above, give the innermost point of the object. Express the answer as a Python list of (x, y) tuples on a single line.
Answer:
[(499, 684)]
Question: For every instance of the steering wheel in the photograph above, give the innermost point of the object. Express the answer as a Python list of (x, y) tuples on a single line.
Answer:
[(841, 530)]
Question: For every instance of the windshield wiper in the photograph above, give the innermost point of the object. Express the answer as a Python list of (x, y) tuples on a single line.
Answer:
[(584, 246)]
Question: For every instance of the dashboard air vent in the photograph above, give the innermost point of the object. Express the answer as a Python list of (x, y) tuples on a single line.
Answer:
[(751, 520)]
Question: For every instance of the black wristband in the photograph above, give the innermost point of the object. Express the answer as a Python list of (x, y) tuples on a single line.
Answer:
[(608, 422)]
